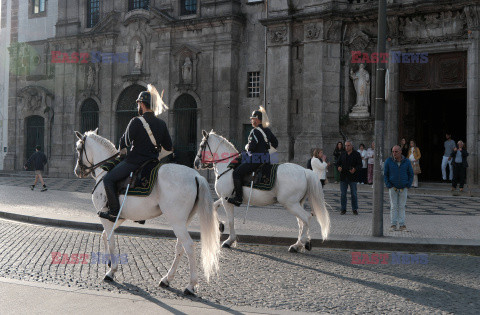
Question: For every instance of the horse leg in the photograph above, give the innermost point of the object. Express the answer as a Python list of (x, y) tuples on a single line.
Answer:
[(186, 241), (107, 228), (165, 282), (231, 224), (303, 219), (217, 204)]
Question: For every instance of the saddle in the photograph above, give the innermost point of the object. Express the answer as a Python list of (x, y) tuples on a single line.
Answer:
[(264, 177), (143, 179)]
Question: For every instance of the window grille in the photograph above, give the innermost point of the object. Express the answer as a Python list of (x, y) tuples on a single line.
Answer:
[(254, 84)]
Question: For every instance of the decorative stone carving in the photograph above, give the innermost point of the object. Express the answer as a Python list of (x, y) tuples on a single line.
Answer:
[(361, 82), (472, 14), (359, 41), (187, 71), (392, 22), (34, 100), (332, 30), (312, 31), (279, 35)]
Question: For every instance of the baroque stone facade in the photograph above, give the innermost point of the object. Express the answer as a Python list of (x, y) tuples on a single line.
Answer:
[(300, 52)]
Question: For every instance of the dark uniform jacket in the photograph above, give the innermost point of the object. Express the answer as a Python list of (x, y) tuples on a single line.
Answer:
[(347, 162), (136, 136), (37, 160), (464, 157), (257, 146)]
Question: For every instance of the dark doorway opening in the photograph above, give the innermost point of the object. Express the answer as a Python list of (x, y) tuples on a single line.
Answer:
[(127, 108), (185, 122), (426, 117), (35, 135)]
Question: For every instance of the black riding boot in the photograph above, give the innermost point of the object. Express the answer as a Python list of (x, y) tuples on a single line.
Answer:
[(238, 188)]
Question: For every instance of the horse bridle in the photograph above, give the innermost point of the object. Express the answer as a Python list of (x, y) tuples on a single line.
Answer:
[(201, 154), (88, 170)]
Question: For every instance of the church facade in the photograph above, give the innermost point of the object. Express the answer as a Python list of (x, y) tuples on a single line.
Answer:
[(311, 63)]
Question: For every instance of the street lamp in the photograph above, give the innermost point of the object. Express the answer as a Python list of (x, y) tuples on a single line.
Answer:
[(377, 224)]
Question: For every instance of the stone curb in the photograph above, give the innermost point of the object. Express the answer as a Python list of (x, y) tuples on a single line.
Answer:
[(459, 246)]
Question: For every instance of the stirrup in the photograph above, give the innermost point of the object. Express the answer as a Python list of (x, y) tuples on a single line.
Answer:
[(234, 201)]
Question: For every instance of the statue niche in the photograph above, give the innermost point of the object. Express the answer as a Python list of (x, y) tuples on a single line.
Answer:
[(361, 82)]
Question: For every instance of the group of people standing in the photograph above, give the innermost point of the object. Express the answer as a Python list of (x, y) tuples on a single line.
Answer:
[(455, 156)]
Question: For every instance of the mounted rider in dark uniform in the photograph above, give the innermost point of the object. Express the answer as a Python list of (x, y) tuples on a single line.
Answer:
[(142, 150), (259, 141)]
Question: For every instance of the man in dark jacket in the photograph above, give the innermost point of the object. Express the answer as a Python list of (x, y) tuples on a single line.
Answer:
[(460, 164), (38, 161), (142, 150), (349, 163), (398, 176), (259, 141)]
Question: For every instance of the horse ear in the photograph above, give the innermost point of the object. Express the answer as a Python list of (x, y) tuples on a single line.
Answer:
[(79, 135), (96, 131), (204, 133)]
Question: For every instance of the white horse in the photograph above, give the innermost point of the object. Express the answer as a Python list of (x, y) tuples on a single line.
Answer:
[(293, 185), (178, 193)]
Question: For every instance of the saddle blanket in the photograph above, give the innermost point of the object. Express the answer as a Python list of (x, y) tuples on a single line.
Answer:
[(265, 176), (144, 177)]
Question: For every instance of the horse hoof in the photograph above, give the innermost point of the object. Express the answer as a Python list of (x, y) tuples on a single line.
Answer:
[(292, 250), (308, 246), (108, 278), (188, 292), (109, 264), (164, 285), (225, 245), (221, 227)]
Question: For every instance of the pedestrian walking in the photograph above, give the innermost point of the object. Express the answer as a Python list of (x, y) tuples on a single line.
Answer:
[(319, 165), (349, 163), (362, 175), (336, 155), (449, 145), (414, 156), (37, 161), (398, 177), (460, 164), (370, 162)]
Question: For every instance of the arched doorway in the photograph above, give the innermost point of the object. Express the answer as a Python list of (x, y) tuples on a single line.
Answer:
[(127, 108), (185, 122), (35, 126), (88, 115)]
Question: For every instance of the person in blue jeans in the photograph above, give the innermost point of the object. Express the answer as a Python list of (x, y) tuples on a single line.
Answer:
[(398, 176), (349, 165)]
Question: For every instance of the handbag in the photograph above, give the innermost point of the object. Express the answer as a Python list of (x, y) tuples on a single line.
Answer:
[(416, 168)]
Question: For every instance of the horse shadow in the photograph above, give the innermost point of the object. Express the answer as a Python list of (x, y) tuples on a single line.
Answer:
[(443, 289), (135, 290)]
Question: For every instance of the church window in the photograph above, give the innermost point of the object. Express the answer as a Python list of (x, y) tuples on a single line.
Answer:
[(93, 12), (38, 6), (188, 7), (254, 84), (138, 4)]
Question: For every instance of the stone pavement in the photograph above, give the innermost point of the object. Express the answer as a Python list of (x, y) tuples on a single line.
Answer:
[(431, 219), (260, 276)]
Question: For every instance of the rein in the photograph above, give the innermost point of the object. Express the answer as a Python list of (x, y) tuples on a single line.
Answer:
[(88, 170), (210, 163)]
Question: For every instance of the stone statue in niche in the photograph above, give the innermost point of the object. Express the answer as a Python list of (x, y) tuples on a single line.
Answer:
[(361, 82), (187, 71), (138, 56), (90, 78)]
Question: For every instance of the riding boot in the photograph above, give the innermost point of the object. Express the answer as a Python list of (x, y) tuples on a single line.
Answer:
[(113, 210), (238, 188)]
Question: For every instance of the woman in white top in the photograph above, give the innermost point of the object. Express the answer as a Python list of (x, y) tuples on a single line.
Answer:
[(370, 161), (363, 172), (319, 165)]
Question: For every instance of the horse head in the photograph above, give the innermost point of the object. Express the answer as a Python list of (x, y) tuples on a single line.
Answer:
[(213, 149), (90, 152)]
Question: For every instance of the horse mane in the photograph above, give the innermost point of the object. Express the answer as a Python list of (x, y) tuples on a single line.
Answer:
[(105, 142), (224, 140)]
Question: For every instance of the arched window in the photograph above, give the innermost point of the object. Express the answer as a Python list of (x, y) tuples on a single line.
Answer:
[(185, 120), (127, 107), (88, 115)]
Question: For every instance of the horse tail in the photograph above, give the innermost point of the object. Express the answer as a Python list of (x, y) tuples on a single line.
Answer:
[(317, 200), (209, 231)]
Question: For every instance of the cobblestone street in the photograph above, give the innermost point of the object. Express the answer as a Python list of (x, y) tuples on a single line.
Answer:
[(317, 281)]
